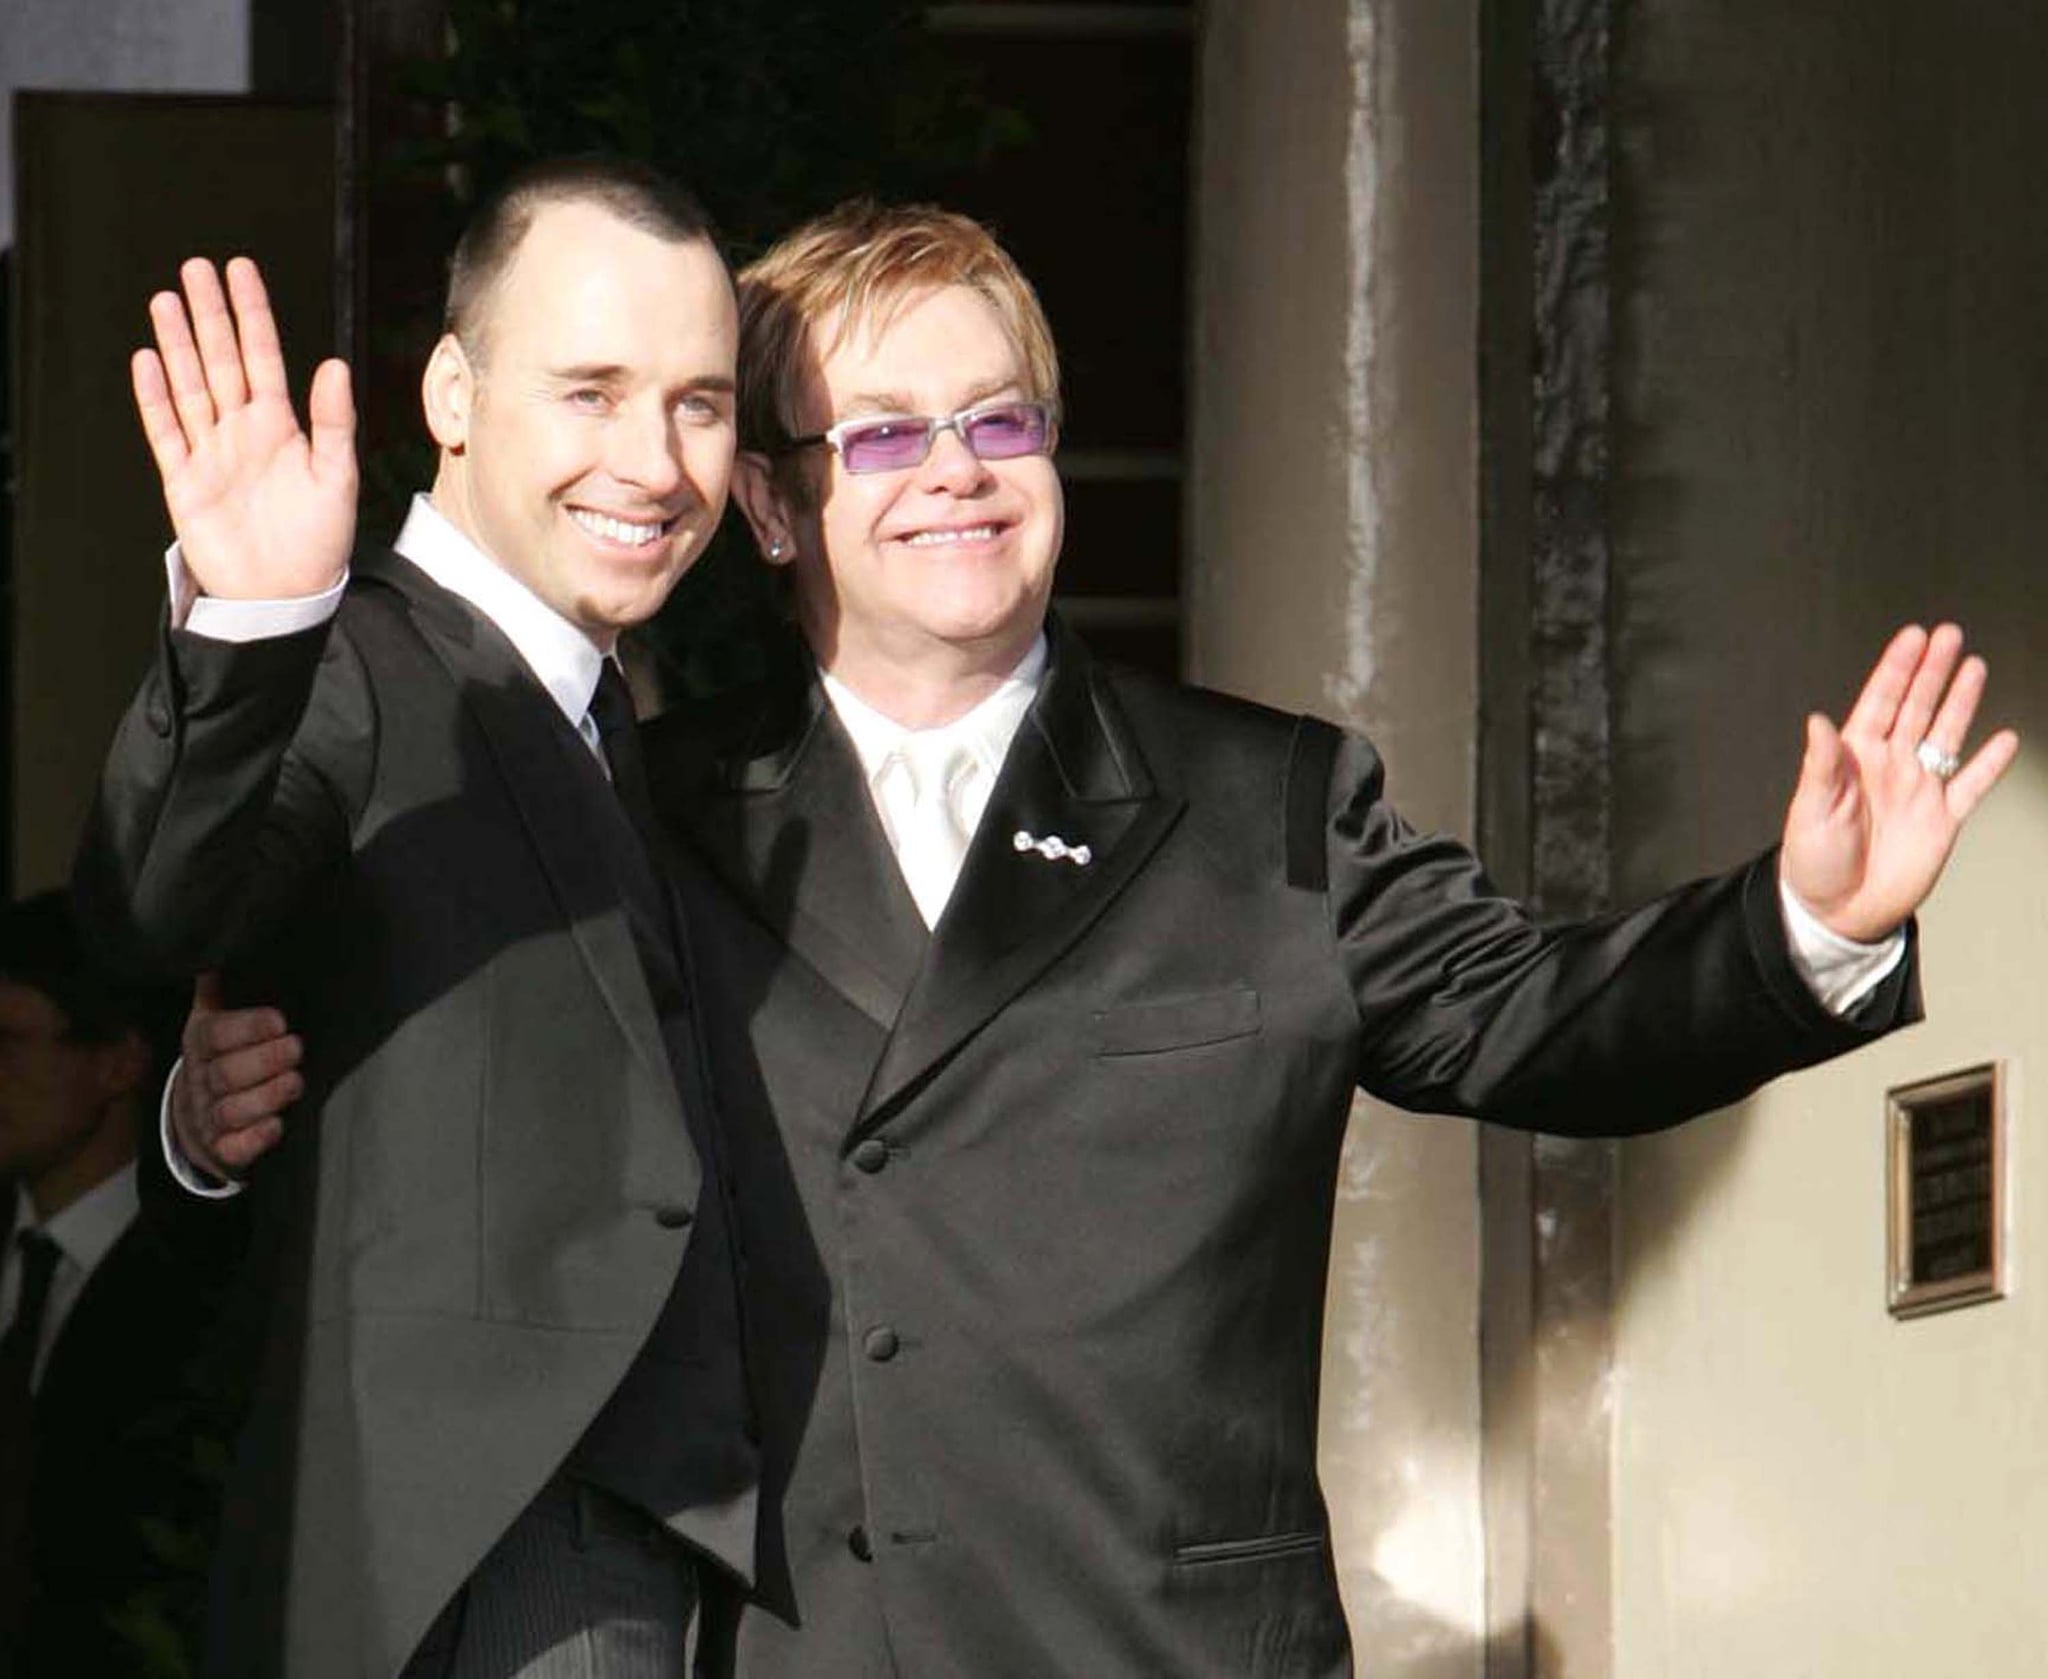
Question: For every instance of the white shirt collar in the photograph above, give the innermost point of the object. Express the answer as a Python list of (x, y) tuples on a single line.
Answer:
[(564, 659), (987, 730), (92, 1224)]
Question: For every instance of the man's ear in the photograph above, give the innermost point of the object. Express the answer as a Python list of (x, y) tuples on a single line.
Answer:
[(448, 393), (767, 509)]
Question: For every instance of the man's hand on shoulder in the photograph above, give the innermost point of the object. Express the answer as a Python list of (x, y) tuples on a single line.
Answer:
[(240, 1073), (1881, 801), (262, 509)]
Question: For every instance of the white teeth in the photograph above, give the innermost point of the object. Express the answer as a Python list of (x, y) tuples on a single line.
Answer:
[(616, 530), (968, 533)]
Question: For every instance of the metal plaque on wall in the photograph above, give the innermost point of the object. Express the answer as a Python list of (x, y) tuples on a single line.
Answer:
[(1946, 1153)]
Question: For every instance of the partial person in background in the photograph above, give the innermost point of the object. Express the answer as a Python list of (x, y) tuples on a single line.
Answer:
[(110, 1413)]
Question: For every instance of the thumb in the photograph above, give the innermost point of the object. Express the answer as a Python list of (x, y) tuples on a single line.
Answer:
[(207, 995)]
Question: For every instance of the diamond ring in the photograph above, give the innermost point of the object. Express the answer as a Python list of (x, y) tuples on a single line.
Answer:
[(1935, 761)]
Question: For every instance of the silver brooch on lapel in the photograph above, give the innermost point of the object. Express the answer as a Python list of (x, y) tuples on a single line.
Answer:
[(1052, 848)]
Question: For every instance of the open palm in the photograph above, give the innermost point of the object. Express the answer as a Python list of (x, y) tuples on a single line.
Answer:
[(1871, 825), (262, 509)]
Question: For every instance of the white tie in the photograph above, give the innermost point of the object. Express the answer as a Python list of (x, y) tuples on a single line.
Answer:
[(931, 841)]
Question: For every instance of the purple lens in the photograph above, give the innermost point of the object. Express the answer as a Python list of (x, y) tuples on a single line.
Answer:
[(999, 434), (884, 446)]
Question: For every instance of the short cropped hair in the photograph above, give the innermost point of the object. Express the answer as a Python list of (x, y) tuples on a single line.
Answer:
[(42, 948), (636, 193), (863, 261)]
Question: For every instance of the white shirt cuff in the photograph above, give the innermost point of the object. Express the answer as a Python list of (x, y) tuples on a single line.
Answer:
[(242, 620), (189, 1176), (1840, 972)]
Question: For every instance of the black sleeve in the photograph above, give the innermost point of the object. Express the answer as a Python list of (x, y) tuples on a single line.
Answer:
[(230, 791), (1621, 1024)]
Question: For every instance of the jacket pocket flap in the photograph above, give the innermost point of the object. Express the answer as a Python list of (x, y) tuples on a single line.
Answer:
[(1261, 1549), (1175, 1023)]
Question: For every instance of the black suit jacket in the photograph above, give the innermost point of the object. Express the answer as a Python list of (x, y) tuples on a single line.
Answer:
[(479, 1208), (130, 1426), (1039, 1208)]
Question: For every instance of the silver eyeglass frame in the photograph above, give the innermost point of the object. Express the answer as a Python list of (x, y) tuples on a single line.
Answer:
[(956, 422)]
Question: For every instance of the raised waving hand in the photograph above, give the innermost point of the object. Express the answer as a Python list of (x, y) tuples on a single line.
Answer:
[(263, 510), (1881, 800)]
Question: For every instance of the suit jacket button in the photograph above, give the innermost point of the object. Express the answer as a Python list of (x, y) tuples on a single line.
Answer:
[(672, 1218), (871, 1155), (881, 1344), (857, 1543)]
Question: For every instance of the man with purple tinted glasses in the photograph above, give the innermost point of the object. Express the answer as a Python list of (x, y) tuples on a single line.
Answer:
[(992, 431), (1038, 993)]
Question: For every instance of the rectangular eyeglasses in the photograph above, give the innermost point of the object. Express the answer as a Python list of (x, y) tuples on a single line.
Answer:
[(992, 431)]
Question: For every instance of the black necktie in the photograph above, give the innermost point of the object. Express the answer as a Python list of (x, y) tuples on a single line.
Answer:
[(618, 732), (39, 1256)]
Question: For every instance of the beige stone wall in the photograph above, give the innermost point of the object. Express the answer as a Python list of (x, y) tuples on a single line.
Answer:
[(209, 175), (1834, 415), (1332, 568)]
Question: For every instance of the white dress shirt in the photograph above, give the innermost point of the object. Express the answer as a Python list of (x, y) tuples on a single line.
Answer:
[(85, 1232), (982, 736)]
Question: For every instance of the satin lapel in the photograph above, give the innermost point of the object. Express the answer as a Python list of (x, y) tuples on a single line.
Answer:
[(787, 822), (1074, 772), (538, 756)]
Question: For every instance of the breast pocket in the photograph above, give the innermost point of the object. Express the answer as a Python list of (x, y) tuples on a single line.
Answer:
[(1172, 1023)]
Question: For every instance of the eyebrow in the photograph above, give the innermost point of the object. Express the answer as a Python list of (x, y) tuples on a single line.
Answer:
[(896, 402), (588, 373), (611, 373)]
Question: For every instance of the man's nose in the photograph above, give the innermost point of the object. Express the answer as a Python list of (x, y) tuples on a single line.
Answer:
[(951, 465), (647, 452)]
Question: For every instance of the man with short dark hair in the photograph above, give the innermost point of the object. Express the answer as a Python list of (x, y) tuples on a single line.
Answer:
[(504, 1427)]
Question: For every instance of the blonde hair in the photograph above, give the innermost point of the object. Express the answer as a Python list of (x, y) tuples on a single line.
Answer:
[(863, 261)]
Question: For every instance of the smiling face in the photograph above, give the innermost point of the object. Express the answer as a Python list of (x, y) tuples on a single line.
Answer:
[(587, 447), (944, 568)]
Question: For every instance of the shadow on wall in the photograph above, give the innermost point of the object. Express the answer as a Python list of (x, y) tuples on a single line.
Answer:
[(1396, 1636), (1399, 1639)]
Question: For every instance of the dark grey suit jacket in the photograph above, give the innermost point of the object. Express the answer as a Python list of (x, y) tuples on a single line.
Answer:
[(479, 1208), (1039, 1208)]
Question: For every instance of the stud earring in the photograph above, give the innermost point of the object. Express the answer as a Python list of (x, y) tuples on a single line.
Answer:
[(776, 550)]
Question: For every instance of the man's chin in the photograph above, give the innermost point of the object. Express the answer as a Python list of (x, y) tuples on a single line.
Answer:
[(990, 624), (629, 601)]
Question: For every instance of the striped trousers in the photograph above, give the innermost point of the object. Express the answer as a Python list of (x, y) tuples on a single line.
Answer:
[(582, 1586)]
